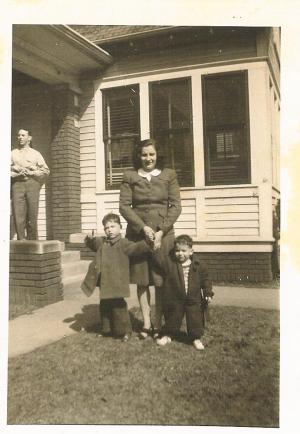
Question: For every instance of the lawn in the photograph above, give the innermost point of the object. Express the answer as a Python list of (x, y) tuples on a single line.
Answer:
[(86, 379)]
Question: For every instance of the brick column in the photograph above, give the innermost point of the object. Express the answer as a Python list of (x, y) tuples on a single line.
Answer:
[(65, 173), (35, 276)]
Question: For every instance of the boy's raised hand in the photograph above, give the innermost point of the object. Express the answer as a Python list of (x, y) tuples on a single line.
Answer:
[(89, 239)]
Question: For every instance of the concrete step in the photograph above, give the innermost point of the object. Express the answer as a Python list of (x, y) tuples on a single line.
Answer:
[(73, 282), (62, 246), (69, 256), (70, 269)]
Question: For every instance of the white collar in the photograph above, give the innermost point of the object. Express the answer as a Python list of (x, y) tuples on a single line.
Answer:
[(144, 174), (187, 263)]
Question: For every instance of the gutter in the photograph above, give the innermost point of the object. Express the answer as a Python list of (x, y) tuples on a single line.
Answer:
[(86, 46)]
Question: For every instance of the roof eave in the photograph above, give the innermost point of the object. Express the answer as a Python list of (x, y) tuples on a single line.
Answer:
[(136, 35), (88, 46)]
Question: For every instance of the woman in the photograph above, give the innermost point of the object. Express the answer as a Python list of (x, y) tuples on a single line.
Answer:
[(150, 202), (28, 174)]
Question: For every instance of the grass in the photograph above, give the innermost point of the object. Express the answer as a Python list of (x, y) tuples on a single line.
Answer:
[(273, 284), (86, 379)]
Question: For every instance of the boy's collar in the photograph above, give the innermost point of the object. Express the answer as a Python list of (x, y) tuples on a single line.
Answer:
[(194, 261), (113, 240), (187, 263)]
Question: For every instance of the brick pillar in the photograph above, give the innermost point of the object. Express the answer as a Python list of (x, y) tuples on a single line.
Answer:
[(35, 275), (65, 173)]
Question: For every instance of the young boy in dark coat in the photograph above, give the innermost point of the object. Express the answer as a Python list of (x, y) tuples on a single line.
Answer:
[(186, 291), (110, 271)]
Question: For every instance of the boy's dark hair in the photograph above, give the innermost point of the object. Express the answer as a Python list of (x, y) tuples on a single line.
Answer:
[(111, 217), (184, 239)]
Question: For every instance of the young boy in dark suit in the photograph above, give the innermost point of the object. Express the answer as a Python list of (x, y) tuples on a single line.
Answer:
[(186, 291)]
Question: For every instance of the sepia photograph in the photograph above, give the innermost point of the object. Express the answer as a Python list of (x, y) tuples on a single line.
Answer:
[(145, 221), (145, 225)]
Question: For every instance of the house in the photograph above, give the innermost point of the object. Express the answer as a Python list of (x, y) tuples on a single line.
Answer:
[(209, 95)]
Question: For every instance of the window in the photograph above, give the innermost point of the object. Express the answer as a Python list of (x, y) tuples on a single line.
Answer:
[(121, 130), (226, 128), (171, 125)]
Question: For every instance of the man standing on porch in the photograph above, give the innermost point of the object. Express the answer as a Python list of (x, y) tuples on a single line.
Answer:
[(28, 174)]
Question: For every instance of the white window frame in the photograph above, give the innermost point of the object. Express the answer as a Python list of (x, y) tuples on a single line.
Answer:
[(143, 81)]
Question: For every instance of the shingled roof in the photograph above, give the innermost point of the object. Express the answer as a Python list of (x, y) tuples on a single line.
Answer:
[(100, 34)]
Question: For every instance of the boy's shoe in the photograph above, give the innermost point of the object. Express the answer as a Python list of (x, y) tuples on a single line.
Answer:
[(125, 338), (155, 333), (198, 345), (163, 341)]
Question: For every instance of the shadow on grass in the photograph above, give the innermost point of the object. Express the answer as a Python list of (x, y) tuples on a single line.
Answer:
[(89, 319)]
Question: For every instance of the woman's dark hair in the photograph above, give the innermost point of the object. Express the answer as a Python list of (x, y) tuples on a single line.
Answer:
[(137, 152)]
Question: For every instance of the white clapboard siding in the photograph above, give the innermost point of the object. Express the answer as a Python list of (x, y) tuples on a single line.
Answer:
[(89, 109), (88, 170), (89, 216), (86, 143), (87, 122), (87, 148), (91, 156), (187, 222), (233, 232), (88, 163), (222, 224), (41, 222), (87, 183), (88, 176), (87, 134), (230, 208), (231, 216), (90, 150)]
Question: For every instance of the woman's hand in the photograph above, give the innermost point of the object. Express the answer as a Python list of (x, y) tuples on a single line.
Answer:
[(157, 240), (149, 233)]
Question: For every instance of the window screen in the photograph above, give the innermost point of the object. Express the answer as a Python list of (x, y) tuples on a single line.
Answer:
[(121, 130), (171, 125), (226, 128)]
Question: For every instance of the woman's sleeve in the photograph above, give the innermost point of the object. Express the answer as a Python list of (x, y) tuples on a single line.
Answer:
[(132, 248), (174, 203), (126, 210)]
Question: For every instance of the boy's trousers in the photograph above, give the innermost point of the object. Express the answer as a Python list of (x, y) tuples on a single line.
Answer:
[(115, 317), (174, 314)]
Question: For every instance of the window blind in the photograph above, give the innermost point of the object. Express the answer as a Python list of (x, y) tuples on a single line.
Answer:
[(121, 130), (226, 128), (171, 125)]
